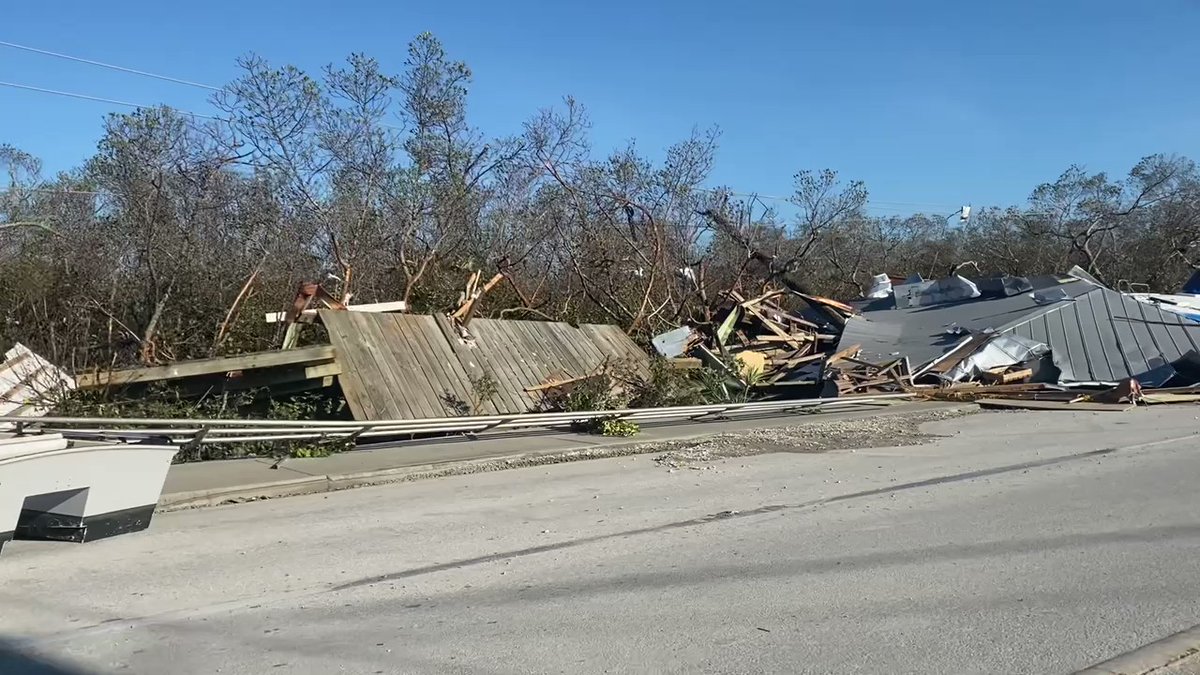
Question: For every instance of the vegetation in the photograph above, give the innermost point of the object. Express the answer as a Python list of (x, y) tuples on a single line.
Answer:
[(616, 427), (175, 237), (164, 402)]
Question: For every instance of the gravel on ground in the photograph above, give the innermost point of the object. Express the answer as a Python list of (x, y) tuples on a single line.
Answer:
[(872, 432)]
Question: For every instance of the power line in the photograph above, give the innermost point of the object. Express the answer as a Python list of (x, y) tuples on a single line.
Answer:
[(123, 69), (98, 99), (176, 80), (132, 71)]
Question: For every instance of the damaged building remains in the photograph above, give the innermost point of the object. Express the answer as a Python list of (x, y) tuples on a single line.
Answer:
[(1039, 341)]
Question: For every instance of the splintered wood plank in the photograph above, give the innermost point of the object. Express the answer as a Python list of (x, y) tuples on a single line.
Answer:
[(554, 384), (762, 298), (842, 354), (804, 337), (788, 316), (793, 361), (860, 362), (1001, 377), (774, 327), (465, 355)]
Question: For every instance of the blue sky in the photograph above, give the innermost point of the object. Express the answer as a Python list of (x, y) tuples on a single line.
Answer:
[(933, 104)]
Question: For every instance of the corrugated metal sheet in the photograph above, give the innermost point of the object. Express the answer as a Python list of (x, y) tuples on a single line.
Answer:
[(1106, 336), (1095, 334), (404, 366), (920, 333), (29, 383)]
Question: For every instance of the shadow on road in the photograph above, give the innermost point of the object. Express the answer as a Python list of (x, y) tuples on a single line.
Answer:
[(14, 659)]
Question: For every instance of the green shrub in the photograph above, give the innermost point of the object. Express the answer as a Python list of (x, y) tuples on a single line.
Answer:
[(615, 427), (165, 402)]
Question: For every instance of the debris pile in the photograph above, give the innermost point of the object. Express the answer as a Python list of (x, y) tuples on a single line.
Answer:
[(29, 384), (779, 339), (853, 375), (1039, 341), (1050, 339), (1036, 342)]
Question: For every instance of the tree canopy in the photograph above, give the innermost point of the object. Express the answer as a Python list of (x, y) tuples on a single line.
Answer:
[(176, 236)]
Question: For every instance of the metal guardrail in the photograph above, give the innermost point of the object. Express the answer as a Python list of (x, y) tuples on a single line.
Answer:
[(191, 432)]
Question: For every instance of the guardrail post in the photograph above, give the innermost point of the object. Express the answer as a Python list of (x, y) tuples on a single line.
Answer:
[(194, 441), (353, 438)]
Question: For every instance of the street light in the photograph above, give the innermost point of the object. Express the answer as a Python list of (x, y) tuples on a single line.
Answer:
[(963, 214)]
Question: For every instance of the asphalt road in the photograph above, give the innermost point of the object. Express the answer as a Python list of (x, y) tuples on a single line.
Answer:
[(1020, 543)]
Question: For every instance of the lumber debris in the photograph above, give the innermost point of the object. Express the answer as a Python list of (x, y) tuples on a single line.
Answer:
[(472, 294), (777, 338)]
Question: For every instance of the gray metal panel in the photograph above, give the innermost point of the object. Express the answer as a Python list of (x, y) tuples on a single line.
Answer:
[(920, 332), (1068, 349), (1154, 354), (1104, 336), (1097, 335), (1099, 340), (1127, 348)]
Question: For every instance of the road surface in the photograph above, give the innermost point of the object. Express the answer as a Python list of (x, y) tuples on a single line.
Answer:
[(1017, 543)]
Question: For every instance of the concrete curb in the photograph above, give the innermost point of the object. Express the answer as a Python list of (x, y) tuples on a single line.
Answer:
[(281, 488), (316, 484), (333, 482), (1151, 657)]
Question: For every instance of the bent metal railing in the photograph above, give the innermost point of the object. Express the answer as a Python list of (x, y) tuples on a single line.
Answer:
[(192, 432)]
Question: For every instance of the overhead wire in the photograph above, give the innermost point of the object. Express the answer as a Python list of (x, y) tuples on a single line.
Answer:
[(110, 66), (99, 99), (123, 69), (167, 78)]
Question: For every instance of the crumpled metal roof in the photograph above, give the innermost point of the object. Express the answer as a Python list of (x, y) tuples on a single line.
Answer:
[(1095, 334), (1104, 336), (920, 333)]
